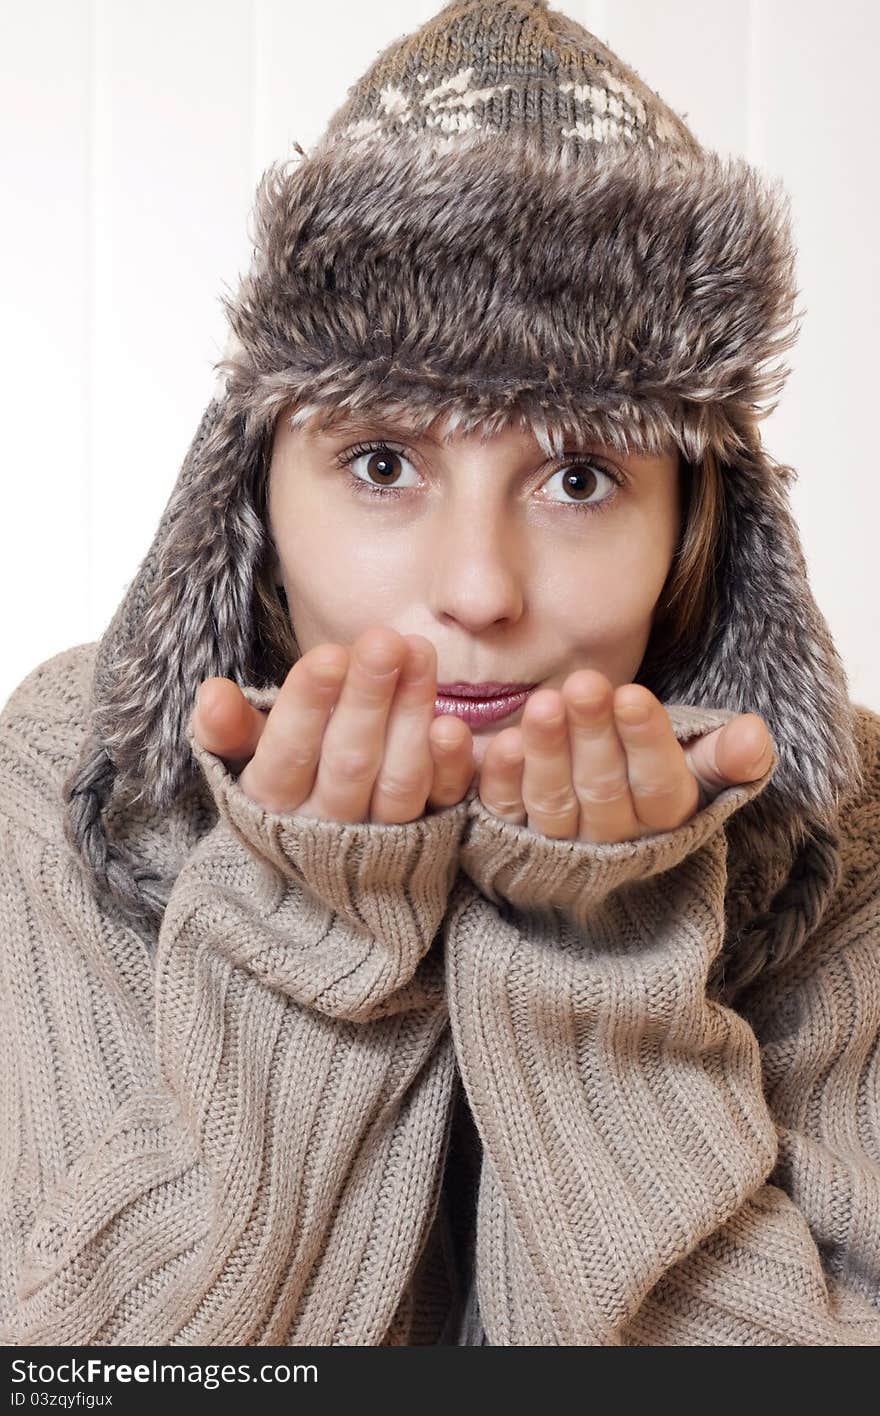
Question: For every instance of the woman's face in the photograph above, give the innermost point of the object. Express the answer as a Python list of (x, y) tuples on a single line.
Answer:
[(518, 568)]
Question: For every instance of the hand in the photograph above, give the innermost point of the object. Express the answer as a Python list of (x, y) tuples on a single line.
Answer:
[(352, 736), (575, 767)]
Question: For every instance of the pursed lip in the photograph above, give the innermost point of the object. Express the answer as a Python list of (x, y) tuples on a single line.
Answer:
[(480, 712), (483, 691)]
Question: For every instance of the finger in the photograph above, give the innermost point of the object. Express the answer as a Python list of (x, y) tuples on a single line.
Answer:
[(354, 742), (741, 750), (665, 792), (598, 760), (225, 723), (451, 743), (549, 798), (501, 777), (281, 773), (407, 769)]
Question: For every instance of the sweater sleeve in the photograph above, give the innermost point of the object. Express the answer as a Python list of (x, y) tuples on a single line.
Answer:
[(637, 1189), (268, 1173)]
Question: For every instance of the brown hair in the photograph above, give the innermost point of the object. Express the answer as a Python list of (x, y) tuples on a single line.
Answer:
[(278, 649), (687, 606)]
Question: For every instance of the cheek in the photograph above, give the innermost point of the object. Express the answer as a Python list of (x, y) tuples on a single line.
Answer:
[(605, 587), (339, 580)]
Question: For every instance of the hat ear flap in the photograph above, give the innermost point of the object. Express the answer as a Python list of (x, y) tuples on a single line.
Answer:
[(188, 613)]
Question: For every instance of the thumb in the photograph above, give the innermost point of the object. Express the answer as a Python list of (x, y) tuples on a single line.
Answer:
[(741, 750), (225, 723)]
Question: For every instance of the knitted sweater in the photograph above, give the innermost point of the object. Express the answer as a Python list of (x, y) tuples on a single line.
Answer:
[(442, 1082)]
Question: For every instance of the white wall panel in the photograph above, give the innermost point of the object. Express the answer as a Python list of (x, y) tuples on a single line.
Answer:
[(817, 88), (173, 149), (47, 263)]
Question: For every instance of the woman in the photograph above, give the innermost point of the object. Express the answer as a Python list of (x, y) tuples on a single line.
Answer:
[(316, 1034)]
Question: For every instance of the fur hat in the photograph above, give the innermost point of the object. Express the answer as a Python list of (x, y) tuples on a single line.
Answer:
[(501, 221)]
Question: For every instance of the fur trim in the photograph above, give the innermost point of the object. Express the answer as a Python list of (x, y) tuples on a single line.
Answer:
[(640, 298)]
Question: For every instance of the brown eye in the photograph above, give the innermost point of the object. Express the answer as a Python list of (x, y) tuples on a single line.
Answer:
[(382, 465), (587, 485), (379, 467)]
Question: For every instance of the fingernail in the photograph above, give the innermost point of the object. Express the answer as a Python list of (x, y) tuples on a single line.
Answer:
[(633, 713), (419, 666), (760, 765), (444, 745), (330, 675)]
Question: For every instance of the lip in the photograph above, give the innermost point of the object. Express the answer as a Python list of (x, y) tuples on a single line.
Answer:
[(491, 689), (478, 711)]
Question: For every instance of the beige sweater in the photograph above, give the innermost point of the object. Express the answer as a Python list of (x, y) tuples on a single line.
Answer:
[(273, 1130)]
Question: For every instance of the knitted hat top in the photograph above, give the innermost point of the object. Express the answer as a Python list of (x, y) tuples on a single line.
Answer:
[(513, 69), (501, 221)]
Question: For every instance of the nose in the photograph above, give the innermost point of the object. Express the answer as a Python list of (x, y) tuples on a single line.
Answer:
[(477, 563)]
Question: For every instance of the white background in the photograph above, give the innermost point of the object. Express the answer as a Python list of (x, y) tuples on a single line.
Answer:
[(133, 139)]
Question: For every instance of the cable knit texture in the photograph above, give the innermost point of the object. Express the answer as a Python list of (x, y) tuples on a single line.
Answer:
[(443, 1082)]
